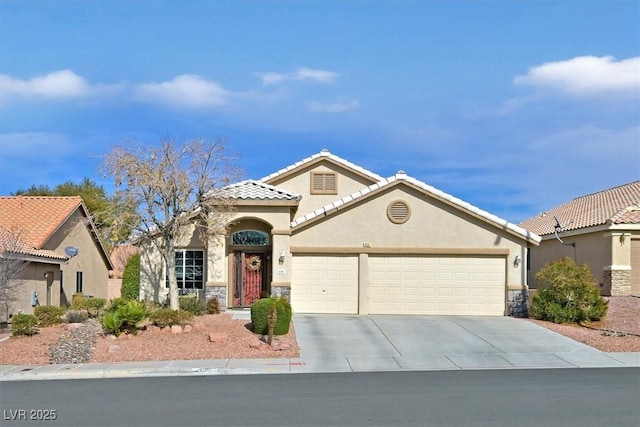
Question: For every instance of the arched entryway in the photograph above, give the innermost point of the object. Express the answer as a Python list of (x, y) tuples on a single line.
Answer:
[(250, 262)]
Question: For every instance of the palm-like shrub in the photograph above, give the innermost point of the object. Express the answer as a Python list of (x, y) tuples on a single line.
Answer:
[(567, 293), (123, 317)]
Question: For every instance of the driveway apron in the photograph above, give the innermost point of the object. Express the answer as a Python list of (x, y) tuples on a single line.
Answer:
[(383, 342)]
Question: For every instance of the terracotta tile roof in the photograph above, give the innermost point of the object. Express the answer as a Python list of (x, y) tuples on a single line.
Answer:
[(11, 244), (256, 190), (325, 154), (36, 218), (618, 205), (434, 192)]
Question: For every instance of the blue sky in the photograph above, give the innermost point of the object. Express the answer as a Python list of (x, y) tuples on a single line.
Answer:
[(514, 107)]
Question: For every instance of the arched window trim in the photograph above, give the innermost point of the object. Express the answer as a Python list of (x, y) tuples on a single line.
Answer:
[(250, 238)]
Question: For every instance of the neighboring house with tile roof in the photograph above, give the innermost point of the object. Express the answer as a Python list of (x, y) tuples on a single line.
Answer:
[(600, 229), (38, 230), (334, 237)]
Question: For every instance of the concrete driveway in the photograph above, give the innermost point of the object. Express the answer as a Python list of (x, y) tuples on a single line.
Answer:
[(386, 342)]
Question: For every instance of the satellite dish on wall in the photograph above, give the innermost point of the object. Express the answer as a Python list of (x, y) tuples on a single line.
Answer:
[(71, 251)]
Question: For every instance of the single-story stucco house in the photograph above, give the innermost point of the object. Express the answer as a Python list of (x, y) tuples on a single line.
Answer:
[(334, 237), (601, 230), (60, 246)]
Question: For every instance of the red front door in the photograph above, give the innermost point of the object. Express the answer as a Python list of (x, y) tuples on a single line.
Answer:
[(249, 278)]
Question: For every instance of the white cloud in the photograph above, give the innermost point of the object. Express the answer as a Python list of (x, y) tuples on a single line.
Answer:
[(586, 76), (333, 107), (187, 90), (301, 74), (57, 84)]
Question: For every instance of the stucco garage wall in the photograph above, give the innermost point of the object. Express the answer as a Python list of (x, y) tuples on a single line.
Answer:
[(432, 225), (435, 231), (593, 249)]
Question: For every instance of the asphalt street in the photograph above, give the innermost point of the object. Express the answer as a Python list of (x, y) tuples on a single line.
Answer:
[(513, 397)]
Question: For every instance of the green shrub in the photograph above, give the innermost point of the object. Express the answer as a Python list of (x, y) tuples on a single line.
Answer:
[(192, 304), (124, 318), (112, 323), (115, 304), (48, 315), (130, 288), (260, 311), (76, 316), (94, 306), (213, 307), (78, 301), (24, 325), (167, 317), (131, 314), (567, 293)]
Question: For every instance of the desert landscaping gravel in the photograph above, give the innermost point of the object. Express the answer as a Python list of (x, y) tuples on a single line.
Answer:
[(222, 337)]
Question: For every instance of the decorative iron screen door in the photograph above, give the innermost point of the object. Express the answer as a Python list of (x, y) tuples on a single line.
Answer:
[(248, 269)]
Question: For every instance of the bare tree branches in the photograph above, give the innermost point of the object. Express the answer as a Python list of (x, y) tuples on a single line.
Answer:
[(174, 186), (11, 266)]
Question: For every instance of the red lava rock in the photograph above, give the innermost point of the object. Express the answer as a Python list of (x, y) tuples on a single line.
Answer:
[(218, 337), (281, 346)]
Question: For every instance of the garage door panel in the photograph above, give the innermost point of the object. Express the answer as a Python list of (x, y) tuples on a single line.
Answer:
[(436, 285), (324, 284)]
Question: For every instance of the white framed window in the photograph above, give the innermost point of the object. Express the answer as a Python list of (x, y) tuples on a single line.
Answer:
[(189, 269)]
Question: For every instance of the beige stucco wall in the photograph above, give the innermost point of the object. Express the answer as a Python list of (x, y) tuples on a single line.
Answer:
[(218, 248), (32, 278), (90, 261), (300, 183), (432, 225), (602, 250)]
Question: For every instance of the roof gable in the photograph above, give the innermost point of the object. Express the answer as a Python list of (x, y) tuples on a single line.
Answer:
[(617, 205), (318, 157), (37, 218), (401, 178)]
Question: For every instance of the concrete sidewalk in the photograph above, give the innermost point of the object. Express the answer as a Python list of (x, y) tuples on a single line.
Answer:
[(333, 343)]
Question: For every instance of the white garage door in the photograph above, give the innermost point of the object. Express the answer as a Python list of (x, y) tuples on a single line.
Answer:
[(324, 284), (635, 267), (436, 285)]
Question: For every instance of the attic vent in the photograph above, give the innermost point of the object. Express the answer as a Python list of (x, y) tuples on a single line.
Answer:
[(323, 183), (398, 212)]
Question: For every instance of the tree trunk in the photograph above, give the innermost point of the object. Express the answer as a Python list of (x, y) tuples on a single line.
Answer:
[(170, 257)]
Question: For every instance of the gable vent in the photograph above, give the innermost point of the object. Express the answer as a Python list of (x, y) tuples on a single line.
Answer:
[(398, 212)]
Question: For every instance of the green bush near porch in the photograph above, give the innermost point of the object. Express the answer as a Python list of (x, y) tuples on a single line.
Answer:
[(260, 311), (567, 293)]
